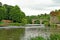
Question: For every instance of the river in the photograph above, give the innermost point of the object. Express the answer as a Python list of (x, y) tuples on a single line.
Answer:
[(23, 32)]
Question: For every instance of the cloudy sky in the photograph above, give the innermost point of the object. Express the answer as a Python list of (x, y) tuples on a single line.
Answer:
[(34, 7)]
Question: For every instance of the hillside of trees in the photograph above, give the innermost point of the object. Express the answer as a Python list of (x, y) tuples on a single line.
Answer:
[(12, 13)]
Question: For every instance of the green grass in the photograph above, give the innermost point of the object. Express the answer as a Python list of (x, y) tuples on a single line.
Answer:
[(12, 24), (11, 34), (2, 23), (16, 24)]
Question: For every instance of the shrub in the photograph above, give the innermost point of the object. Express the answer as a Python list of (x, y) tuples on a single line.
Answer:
[(37, 38), (55, 37), (14, 24)]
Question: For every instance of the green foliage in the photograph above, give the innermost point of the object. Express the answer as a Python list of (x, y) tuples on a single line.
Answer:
[(14, 13), (2, 13), (46, 23), (7, 11), (55, 37), (29, 20), (37, 22), (0, 4), (24, 21), (42, 17), (37, 38), (53, 25), (15, 24), (1, 23)]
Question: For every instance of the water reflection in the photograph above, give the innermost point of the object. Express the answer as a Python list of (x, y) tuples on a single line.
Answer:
[(22, 33), (11, 34), (34, 32)]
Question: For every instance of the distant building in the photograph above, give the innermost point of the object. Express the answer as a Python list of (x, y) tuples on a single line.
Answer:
[(54, 18)]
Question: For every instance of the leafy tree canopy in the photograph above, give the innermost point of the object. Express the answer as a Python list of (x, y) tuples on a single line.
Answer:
[(9, 12)]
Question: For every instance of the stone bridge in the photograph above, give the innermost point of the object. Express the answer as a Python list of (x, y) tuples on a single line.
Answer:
[(40, 20)]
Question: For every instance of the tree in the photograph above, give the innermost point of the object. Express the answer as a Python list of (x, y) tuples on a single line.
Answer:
[(16, 14), (2, 13), (37, 22), (7, 9), (24, 21), (0, 4)]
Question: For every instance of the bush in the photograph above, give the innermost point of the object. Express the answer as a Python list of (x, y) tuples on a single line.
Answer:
[(2, 24), (55, 37), (37, 38), (53, 25), (16, 24)]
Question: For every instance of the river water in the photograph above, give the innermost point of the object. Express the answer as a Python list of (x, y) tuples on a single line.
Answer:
[(23, 33), (34, 31)]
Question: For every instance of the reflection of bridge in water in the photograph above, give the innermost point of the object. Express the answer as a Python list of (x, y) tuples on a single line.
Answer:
[(33, 30)]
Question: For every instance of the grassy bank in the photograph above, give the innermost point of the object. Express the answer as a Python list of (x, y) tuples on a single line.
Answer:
[(11, 24), (16, 24)]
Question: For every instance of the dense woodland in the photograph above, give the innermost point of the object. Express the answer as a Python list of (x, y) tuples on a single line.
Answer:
[(14, 13)]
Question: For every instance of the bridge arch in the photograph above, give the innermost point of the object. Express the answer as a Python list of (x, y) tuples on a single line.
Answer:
[(39, 21)]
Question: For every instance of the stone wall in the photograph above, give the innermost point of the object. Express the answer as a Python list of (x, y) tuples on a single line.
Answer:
[(54, 19)]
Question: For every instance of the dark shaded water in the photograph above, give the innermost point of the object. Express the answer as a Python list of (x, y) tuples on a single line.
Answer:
[(11, 34)]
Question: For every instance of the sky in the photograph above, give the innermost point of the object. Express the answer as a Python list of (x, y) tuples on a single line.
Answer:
[(34, 7)]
